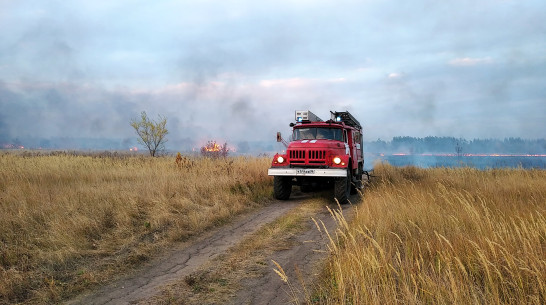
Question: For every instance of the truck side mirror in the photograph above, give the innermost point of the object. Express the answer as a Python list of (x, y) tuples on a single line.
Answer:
[(279, 138)]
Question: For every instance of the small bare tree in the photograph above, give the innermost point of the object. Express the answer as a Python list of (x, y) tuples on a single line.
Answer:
[(151, 133)]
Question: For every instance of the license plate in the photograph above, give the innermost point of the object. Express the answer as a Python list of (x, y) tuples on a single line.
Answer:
[(305, 171)]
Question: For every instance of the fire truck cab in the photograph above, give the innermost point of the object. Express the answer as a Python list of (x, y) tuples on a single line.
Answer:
[(320, 154)]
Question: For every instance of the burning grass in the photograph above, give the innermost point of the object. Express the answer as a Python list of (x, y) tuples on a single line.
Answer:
[(442, 236), (71, 221)]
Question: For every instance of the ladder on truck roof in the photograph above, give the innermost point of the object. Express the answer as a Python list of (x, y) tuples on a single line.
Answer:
[(345, 117)]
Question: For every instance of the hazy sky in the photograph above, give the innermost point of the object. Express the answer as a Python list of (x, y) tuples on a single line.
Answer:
[(236, 70)]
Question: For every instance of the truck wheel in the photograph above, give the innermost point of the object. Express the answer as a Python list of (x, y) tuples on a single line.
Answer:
[(357, 185), (282, 187), (342, 188)]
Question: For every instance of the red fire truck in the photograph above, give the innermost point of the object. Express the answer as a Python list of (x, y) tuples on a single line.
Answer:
[(320, 154)]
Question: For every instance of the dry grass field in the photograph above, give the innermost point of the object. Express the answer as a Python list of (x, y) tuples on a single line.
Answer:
[(420, 236), (68, 222), (442, 236)]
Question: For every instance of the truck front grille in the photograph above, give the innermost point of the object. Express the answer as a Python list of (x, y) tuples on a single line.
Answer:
[(315, 157), (317, 154), (297, 154)]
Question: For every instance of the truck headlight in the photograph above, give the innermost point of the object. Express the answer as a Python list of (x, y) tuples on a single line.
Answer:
[(337, 160), (280, 159)]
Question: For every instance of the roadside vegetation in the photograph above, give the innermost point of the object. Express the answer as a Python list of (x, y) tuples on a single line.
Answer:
[(441, 236), (69, 221)]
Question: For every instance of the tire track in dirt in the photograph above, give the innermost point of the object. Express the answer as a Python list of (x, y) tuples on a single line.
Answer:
[(302, 264), (185, 259)]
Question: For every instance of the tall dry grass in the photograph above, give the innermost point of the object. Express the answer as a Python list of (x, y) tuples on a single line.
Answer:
[(442, 236), (70, 221)]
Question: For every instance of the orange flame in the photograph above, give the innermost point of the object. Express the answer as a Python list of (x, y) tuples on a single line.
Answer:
[(214, 147)]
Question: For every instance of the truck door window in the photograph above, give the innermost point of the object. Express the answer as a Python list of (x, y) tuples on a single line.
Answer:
[(357, 139)]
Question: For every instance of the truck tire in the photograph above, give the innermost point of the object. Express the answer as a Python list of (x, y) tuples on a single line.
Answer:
[(357, 185), (282, 187), (342, 188)]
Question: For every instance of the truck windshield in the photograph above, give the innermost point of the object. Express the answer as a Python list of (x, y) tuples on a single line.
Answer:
[(318, 133)]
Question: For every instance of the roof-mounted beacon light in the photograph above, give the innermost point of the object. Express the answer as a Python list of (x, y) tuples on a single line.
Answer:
[(306, 116)]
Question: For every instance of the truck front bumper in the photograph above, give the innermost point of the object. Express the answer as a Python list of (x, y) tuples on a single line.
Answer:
[(310, 172)]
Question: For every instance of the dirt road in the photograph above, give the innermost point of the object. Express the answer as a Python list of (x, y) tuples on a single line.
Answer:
[(305, 257), (141, 286)]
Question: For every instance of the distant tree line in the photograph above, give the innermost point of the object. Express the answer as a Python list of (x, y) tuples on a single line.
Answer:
[(453, 145)]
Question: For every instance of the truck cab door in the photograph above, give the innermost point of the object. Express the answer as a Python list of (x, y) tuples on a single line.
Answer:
[(354, 149), (358, 143)]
